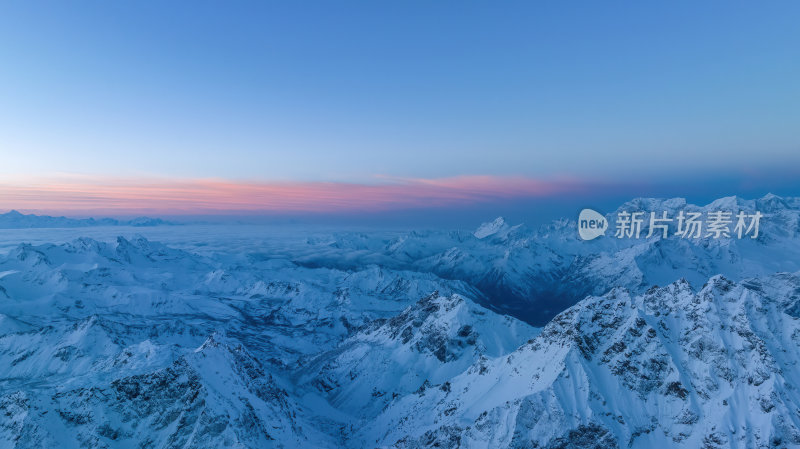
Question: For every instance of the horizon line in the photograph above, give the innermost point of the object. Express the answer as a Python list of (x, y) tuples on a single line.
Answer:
[(86, 195)]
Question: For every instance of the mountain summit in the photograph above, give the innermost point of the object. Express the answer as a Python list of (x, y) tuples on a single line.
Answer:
[(498, 226)]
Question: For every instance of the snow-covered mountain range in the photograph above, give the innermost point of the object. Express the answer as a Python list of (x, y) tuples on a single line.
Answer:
[(16, 220), (673, 367), (501, 337)]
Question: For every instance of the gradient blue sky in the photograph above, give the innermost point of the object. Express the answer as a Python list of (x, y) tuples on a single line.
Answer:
[(361, 91)]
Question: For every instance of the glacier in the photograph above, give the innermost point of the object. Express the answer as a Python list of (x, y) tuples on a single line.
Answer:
[(207, 336)]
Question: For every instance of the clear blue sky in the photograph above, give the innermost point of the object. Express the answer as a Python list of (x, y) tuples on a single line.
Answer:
[(346, 91)]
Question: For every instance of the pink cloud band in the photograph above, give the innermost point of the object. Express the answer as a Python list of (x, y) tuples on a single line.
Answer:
[(210, 196)]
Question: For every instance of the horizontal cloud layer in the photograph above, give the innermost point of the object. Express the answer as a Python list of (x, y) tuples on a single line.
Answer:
[(204, 196)]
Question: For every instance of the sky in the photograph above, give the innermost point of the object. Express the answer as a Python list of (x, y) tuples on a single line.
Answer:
[(220, 107)]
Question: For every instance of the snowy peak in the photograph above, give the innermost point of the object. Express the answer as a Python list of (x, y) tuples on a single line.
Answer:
[(496, 227), (448, 326), (422, 347), (731, 203), (769, 203), (188, 403)]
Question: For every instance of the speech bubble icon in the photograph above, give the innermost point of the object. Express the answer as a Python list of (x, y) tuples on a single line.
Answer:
[(591, 224)]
